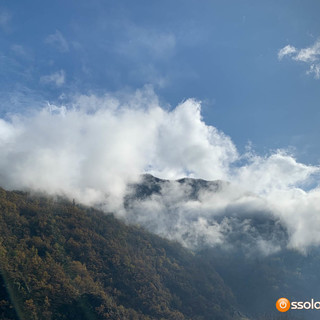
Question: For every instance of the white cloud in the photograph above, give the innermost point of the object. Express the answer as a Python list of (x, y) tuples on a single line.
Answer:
[(309, 55), (58, 40), (275, 172), (57, 78), (287, 50), (314, 69), (91, 149), (186, 144)]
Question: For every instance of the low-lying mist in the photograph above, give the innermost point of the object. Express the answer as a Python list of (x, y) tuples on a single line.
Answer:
[(95, 148)]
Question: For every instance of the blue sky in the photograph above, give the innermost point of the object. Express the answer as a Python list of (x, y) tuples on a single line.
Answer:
[(224, 53)]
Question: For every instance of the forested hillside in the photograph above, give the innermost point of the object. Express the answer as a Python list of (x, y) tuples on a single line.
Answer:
[(256, 276), (60, 260)]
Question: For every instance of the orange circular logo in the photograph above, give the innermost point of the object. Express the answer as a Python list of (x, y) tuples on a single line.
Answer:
[(283, 305)]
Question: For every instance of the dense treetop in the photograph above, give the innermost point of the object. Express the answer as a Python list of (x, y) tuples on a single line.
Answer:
[(64, 261)]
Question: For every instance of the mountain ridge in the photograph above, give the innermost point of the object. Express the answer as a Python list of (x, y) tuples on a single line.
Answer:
[(65, 261), (90, 261)]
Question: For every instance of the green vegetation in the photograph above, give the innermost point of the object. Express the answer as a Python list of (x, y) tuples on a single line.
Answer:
[(63, 261)]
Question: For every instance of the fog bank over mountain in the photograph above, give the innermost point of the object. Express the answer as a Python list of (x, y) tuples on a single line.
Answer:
[(94, 147), (200, 214)]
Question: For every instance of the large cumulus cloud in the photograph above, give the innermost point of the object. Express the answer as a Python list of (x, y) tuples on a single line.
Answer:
[(93, 147)]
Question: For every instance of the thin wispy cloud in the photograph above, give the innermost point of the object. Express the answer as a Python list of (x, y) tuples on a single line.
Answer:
[(58, 41), (21, 51), (18, 50), (5, 18), (309, 55), (140, 41), (57, 78), (145, 49)]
